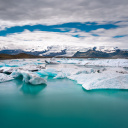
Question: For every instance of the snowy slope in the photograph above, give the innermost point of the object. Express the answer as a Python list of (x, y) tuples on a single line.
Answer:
[(65, 50), (71, 50), (107, 49)]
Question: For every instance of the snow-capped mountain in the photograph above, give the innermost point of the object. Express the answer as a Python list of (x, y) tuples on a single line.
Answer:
[(107, 49), (68, 51), (63, 50), (71, 50)]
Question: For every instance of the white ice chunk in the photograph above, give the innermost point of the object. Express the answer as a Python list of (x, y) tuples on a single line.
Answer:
[(29, 77), (36, 80), (24, 68), (90, 78), (48, 72), (65, 72), (105, 62), (108, 79), (31, 67), (7, 69), (4, 77)]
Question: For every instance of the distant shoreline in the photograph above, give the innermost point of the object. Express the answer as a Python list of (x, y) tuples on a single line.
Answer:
[(28, 56)]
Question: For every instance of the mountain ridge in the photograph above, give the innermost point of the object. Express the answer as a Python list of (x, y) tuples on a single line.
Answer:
[(71, 51), (99, 54)]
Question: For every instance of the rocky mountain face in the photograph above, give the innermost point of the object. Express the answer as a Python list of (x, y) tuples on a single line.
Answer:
[(99, 54)]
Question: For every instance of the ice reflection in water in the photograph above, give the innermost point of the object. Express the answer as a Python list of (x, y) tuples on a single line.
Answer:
[(32, 89)]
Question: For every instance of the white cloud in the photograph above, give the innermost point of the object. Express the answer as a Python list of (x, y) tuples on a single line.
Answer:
[(122, 30), (39, 40)]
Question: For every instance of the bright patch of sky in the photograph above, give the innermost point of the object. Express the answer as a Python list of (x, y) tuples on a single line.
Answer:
[(67, 27)]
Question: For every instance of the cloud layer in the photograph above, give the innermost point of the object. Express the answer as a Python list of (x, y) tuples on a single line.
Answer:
[(39, 40), (54, 12), (21, 12)]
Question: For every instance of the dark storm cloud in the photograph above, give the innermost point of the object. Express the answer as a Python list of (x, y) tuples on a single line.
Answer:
[(55, 11)]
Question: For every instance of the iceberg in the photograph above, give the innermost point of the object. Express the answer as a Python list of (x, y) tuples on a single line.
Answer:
[(89, 78), (65, 72), (103, 74), (97, 62), (70, 61), (36, 80), (105, 62), (20, 62), (109, 79), (48, 72), (51, 62), (5, 78), (29, 77), (7, 70), (31, 68)]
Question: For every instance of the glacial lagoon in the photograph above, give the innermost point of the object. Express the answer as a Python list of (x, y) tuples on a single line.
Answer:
[(61, 103)]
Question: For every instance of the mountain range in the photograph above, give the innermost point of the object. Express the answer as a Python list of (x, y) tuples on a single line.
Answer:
[(71, 51)]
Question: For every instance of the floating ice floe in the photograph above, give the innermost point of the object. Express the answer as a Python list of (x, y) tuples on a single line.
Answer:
[(52, 61), (25, 72), (103, 78), (20, 62), (5, 78), (109, 79), (7, 70), (111, 75), (29, 77), (70, 61), (64, 72), (48, 72), (106, 62), (101, 81), (31, 68), (97, 62)]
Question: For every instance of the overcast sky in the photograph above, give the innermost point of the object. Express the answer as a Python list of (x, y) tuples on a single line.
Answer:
[(63, 22)]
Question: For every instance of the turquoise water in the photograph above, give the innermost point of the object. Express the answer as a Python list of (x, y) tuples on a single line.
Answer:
[(61, 104)]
